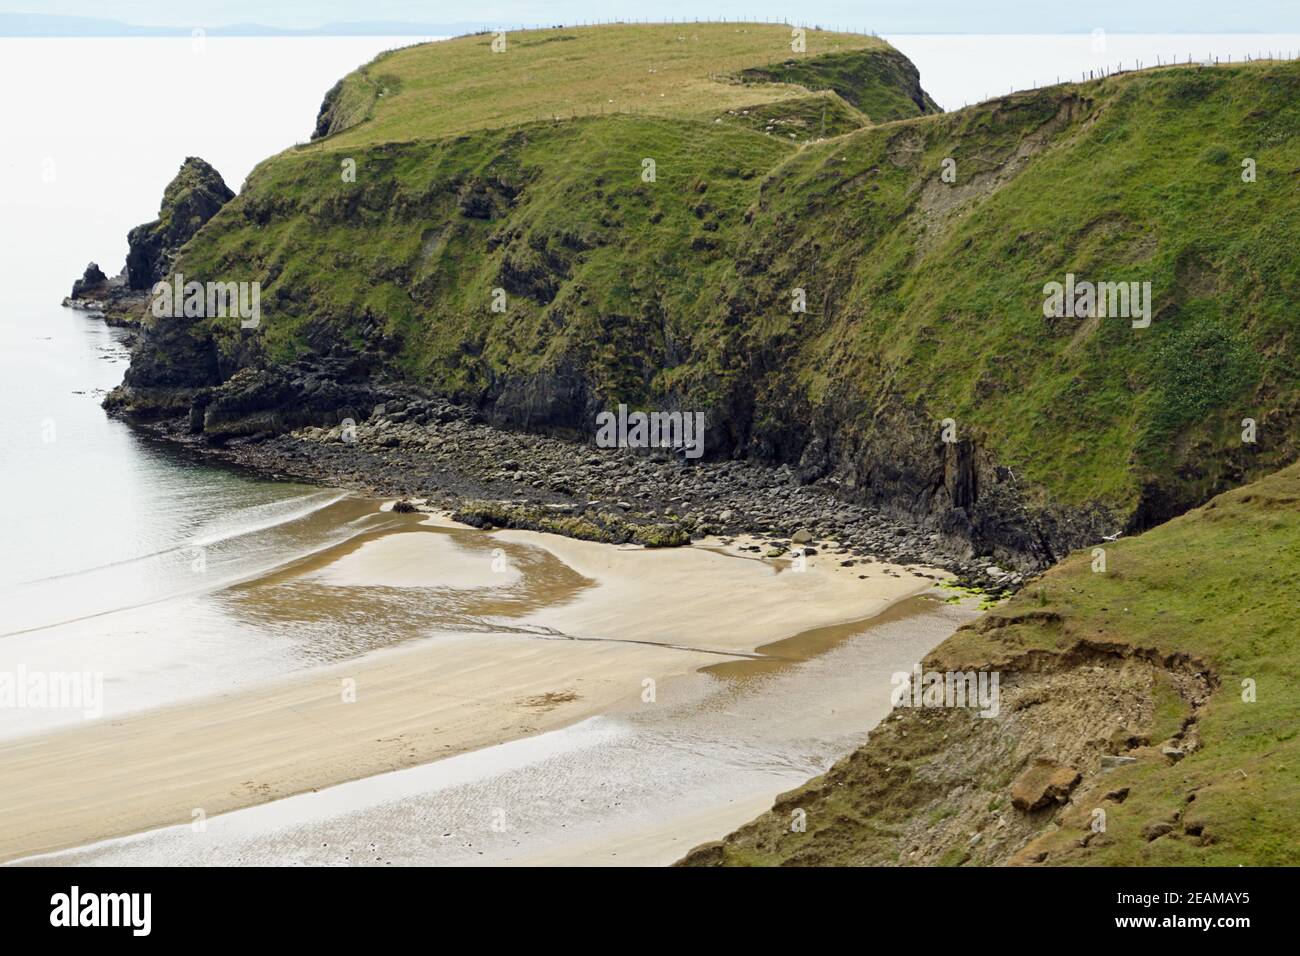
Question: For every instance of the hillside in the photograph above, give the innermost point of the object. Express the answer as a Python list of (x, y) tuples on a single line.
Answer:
[(1146, 665), (525, 171), (676, 71)]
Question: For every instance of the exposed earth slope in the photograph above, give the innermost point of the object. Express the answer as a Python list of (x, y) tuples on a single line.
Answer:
[(1164, 685)]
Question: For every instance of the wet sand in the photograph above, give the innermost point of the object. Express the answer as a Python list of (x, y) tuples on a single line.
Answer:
[(547, 632), (640, 785), (713, 596)]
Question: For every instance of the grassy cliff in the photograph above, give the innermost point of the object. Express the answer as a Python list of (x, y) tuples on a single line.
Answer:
[(528, 171), (1177, 662)]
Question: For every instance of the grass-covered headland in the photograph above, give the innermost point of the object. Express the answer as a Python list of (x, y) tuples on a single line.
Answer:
[(648, 199)]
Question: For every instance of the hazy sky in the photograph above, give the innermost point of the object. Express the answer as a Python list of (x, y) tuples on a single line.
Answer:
[(884, 16)]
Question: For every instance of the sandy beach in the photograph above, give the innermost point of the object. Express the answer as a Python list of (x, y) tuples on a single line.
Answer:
[(638, 786), (608, 620)]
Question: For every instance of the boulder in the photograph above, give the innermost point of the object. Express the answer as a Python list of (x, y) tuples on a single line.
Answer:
[(1156, 829), (1045, 782), (92, 280), (275, 398)]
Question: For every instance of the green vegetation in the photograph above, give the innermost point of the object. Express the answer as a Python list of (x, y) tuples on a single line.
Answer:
[(924, 298), (988, 599), (803, 118), (666, 70), (604, 526), (885, 86), (1214, 592)]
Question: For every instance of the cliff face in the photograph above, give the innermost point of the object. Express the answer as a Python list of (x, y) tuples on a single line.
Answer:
[(193, 197), (833, 304), (885, 85)]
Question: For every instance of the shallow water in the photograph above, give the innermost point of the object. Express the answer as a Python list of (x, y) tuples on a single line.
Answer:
[(627, 788), (283, 587), (112, 546)]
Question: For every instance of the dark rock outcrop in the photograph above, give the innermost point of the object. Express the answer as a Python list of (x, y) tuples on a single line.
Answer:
[(259, 399), (107, 298), (95, 292), (1045, 783), (92, 280), (192, 198), (884, 83), (325, 116), (271, 399)]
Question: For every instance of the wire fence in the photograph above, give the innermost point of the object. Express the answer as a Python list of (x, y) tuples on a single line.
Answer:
[(1210, 60)]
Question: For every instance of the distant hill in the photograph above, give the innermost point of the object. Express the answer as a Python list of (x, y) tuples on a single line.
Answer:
[(53, 25)]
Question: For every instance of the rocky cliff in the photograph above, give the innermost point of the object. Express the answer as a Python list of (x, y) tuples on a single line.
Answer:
[(864, 305), (193, 197), (93, 290)]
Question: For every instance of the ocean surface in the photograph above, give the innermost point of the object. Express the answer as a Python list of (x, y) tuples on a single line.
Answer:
[(116, 551), (115, 548)]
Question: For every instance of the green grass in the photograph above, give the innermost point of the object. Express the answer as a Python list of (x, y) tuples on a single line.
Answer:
[(1217, 587), (816, 116), (883, 86), (669, 70), (603, 526), (947, 312)]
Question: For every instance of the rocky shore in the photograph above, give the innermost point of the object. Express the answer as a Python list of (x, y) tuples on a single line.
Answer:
[(467, 459), (492, 456), (112, 299), (444, 456)]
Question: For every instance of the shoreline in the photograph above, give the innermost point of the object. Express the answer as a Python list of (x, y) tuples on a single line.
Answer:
[(445, 454), (430, 699)]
